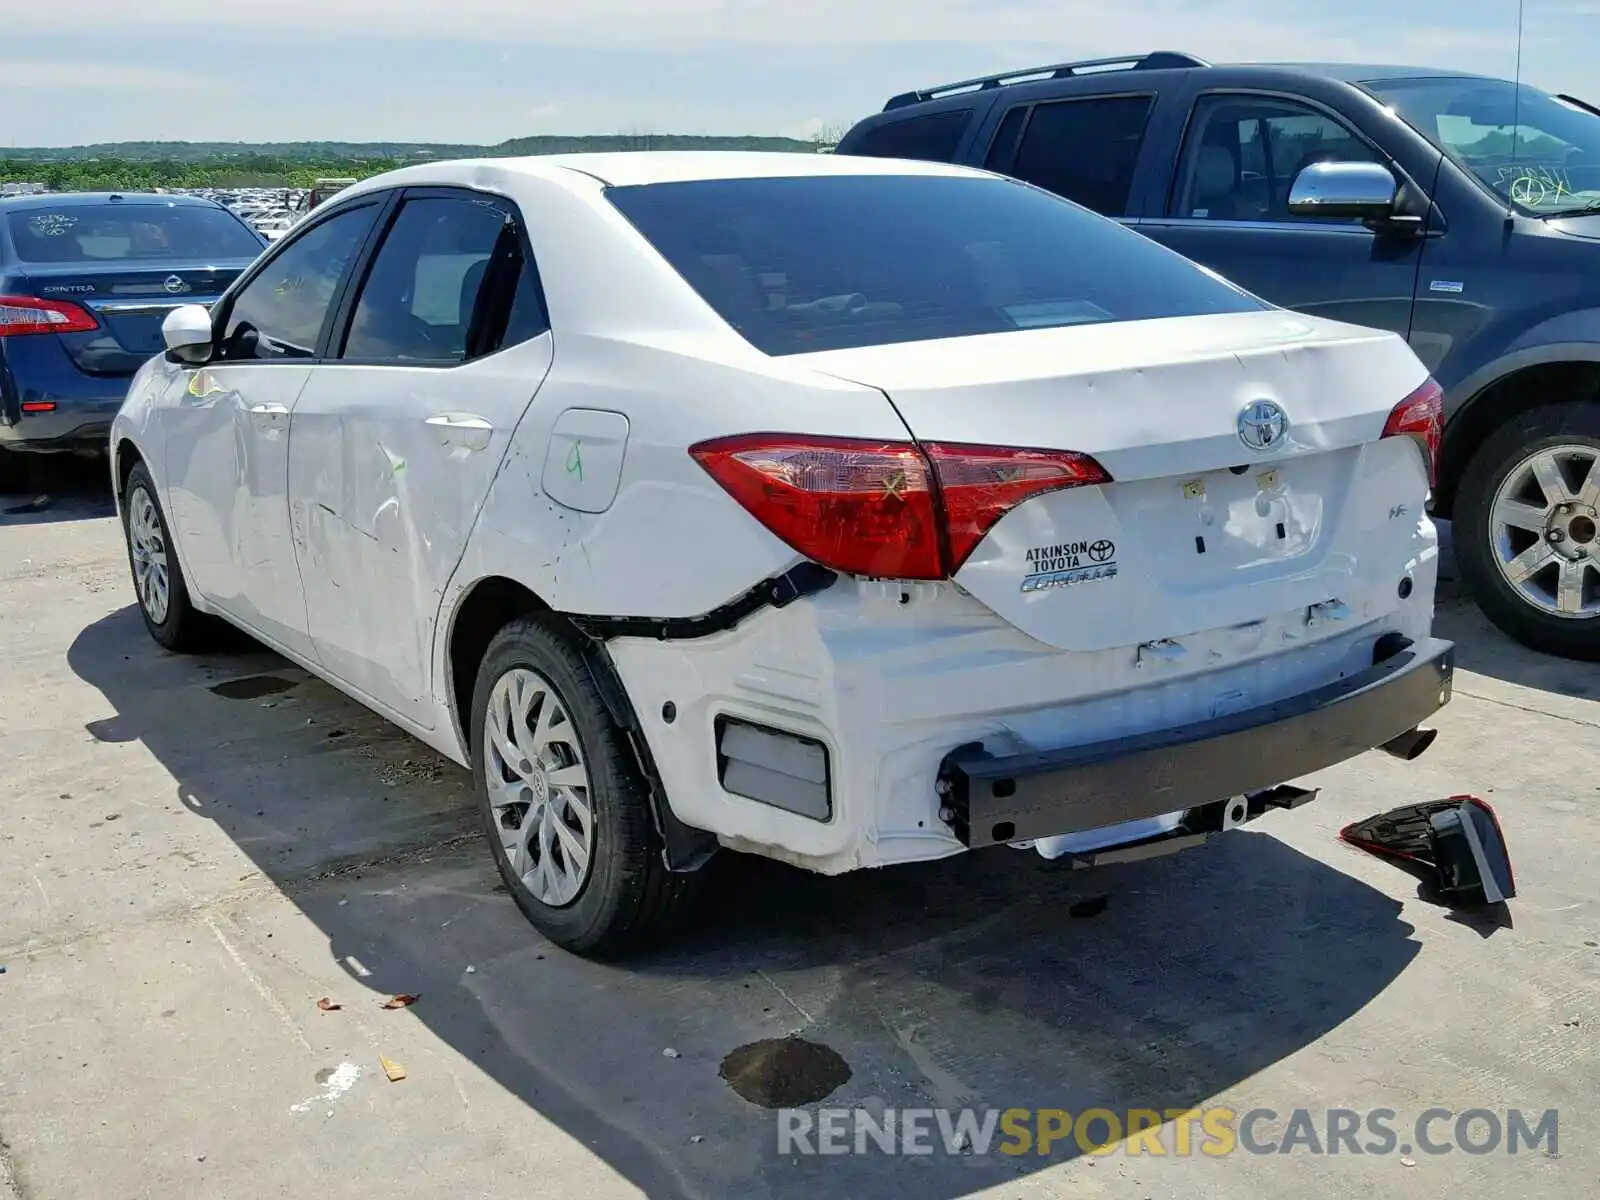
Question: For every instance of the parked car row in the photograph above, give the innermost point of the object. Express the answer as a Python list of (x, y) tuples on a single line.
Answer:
[(269, 211)]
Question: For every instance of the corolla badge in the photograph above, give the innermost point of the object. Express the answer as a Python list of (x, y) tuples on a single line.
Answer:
[(175, 284), (1263, 425)]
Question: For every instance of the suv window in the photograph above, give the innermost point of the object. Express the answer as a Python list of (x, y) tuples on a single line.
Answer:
[(830, 262), (1084, 150), (932, 138), (419, 297), (1242, 154), (279, 313)]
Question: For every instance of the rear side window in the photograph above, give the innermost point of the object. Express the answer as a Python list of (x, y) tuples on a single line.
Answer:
[(129, 232), (932, 138), (1005, 140), (448, 284), (420, 294), (1085, 150), (837, 261)]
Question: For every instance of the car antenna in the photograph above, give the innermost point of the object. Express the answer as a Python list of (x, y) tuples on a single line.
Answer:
[(1516, 117)]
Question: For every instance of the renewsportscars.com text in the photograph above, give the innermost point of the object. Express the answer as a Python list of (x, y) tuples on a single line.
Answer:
[(1213, 1132)]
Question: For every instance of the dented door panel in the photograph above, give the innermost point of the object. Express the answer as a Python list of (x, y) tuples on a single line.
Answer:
[(389, 468)]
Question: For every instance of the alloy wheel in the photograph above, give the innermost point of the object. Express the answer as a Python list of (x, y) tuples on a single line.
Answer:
[(149, 550), (538, 786), (1543, 526)]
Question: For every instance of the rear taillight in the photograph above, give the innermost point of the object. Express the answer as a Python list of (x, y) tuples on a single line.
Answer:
[(890, 510), (20, 315), (1420, 416), (980, 484)]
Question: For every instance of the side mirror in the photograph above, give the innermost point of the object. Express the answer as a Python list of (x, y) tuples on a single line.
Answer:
[(1341, 190), (187, 332)]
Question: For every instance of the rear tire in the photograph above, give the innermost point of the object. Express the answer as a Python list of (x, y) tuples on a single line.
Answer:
[(158, 582), (1525, 523), (565, 808)]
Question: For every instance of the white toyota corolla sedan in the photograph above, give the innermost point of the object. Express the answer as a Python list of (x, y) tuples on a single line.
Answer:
[(850, 512)]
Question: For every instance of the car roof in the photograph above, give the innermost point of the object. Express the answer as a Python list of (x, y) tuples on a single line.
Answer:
[(86, 199), (639, 167), (1037, 81), (1359, 72)]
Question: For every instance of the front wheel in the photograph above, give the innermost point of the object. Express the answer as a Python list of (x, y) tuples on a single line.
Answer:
[(1527, 519), (564, 804), (157, 578)]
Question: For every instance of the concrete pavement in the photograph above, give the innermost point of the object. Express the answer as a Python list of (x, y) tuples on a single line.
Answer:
[(193, 862)]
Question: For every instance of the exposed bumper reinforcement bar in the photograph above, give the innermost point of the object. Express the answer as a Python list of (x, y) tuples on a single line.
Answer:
[(990, 801)]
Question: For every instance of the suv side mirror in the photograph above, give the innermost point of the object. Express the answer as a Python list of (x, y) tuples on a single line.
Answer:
[(1363, 190), (187, 332)]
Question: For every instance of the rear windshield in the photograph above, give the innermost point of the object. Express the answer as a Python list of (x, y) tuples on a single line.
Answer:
[(833, 262), (89, 233)]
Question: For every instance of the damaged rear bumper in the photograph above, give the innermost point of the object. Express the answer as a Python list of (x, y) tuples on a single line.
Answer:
[(988, 800)]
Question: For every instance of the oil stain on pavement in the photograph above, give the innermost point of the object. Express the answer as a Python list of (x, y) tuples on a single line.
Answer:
[(784, 1072)]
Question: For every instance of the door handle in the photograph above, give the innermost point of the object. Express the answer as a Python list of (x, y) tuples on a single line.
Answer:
[(461, 429), (268, 411)]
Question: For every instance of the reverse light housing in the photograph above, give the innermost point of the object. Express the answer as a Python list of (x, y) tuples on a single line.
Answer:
[(24, 315), (1420, 416), (885, 509)]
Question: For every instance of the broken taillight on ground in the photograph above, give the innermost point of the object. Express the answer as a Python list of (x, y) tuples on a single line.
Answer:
[(1456, 845)]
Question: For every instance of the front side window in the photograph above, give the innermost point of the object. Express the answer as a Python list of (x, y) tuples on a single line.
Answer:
[(1530, 148), (280, 313), (1242, 154), (836, 261), (1085, 150), (128, 232), (418, 301)]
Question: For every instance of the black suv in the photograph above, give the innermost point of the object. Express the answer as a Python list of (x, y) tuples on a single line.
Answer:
[(1459, 211)]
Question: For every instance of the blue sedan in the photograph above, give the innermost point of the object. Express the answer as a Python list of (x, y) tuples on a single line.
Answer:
[(85, 281)]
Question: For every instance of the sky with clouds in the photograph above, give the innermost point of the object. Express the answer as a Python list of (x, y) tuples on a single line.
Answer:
[(75, 71)]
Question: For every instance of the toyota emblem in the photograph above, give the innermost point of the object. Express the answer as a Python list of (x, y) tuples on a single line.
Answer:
[(1263, 425)]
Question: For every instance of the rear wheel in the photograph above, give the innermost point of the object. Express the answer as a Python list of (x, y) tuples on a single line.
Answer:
[(157, 578), (565, 807), (1527, 516)]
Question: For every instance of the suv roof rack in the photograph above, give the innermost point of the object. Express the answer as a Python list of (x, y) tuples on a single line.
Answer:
[(1159, 60)]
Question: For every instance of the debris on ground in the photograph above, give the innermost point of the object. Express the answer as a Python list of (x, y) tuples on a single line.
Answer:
[(471, 970), (403, 1000), (36, 505), (669, 1052), (335, 1083), (1454, 845), (327, 1005), (392, 1069)]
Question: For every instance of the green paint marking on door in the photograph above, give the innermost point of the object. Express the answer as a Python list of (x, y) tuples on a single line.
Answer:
[(575, 460)]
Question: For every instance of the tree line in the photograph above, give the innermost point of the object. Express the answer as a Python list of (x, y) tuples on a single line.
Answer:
[(122, 175), (141, 166)]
